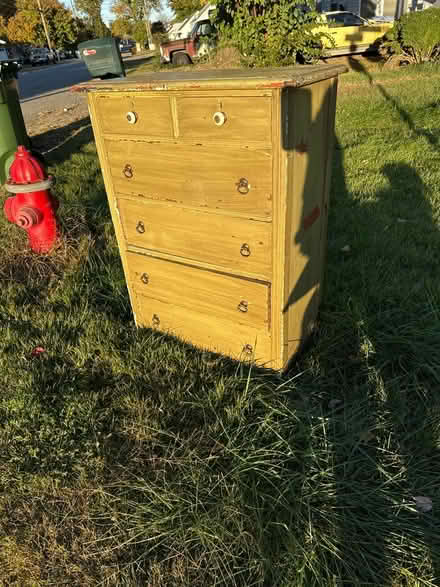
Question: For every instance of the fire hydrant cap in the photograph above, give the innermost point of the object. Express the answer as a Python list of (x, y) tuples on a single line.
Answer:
[(25, 169)]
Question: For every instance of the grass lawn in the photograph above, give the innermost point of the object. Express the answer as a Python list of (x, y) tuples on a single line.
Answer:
[(130, 459)]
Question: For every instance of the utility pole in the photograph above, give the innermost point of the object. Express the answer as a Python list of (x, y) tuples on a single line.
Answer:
[(43, 20), (147, 25), (72, 4)]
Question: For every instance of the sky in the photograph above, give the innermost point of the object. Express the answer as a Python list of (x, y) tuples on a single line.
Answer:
[(107, 14)]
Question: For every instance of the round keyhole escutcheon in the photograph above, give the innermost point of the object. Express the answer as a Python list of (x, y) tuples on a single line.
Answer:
[(248, 349), (131, 117), (128, 171), (155, 320), (243, 306), (140, 227), (219, 118), (245, 250), (145, 278), (243, 186)]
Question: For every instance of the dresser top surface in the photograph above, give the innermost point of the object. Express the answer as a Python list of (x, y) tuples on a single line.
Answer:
[(264, 78)]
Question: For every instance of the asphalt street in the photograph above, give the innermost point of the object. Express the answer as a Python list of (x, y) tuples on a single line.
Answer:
[(47, 88)]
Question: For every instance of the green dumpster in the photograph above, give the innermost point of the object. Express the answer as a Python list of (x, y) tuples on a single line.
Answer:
[(12, 127), (102, 57)]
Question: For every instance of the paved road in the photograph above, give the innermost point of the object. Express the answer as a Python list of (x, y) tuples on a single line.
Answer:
[(47, 88), (44, 89)]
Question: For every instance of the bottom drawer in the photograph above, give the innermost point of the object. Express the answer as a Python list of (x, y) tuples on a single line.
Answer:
[(205, 331), (235, 299)]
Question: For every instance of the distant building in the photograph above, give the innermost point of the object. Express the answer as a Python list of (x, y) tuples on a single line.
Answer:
[(367, 8)]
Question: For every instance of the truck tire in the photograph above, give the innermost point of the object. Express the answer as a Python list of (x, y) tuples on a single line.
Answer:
[(180, 58)]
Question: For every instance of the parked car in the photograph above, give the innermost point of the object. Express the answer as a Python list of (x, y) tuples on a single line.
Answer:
[(39, 57), (125, 50), (184, 51), (52, 55), (352, 33), (9, 54)]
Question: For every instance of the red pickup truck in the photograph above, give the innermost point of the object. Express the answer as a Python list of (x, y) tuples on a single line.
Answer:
[(184, 51)]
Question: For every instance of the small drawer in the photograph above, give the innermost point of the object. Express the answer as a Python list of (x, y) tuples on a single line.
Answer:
[(233, 244), (239, 300), (203, 330), (237, 180), (132, 114), (219, 119)]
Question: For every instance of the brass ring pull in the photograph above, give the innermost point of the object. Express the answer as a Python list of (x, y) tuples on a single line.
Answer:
[(155, 320), (248, 349), (243, 306), (131, 117), (145, 279), (245, 251), (140, 227), (243, 186), (128, 171)]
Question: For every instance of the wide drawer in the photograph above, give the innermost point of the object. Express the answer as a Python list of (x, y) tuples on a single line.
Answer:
[(234, 244), (133, 114), (204, 330), (239, 180), (225, 118), (236, 299)]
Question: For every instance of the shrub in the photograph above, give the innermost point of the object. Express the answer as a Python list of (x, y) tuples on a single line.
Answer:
[(415, 37), (271, 33)]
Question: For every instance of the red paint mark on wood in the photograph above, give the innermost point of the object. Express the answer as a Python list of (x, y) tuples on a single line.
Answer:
[(311, 218)]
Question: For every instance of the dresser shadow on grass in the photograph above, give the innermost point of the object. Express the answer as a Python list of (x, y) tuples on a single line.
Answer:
[(377, 350), (374, 299)]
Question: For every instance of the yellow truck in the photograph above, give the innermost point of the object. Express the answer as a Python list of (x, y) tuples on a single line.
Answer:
[(351, 33)]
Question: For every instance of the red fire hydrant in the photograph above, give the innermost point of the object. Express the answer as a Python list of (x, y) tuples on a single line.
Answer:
[(32, 207)]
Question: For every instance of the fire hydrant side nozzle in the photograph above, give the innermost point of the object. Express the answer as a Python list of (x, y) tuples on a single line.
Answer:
[(32, 207)]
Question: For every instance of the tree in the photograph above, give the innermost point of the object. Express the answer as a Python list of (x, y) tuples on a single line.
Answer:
[(130, 10), (140, 34), (271, 32), (7, 8), (93, 8), (26, 27), (121, 27), (184, 8), (137, 13), (414, 38), (3, 28), (62, 28)]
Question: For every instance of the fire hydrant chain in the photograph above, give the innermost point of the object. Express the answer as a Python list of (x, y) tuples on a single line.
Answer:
[(33, 207)]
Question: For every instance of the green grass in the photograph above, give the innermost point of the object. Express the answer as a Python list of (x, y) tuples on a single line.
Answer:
[(127, 458)]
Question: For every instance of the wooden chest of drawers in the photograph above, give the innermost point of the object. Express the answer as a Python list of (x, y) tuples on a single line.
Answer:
[(218, 188)]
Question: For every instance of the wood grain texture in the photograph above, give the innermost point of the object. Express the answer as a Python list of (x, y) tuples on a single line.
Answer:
[(308, 153), (182, 225), (193, 234), (219, 80), (200, 176), (153, 113), (204, 330), (242, 301), (98, 132), (246, 118), (278, 318)]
